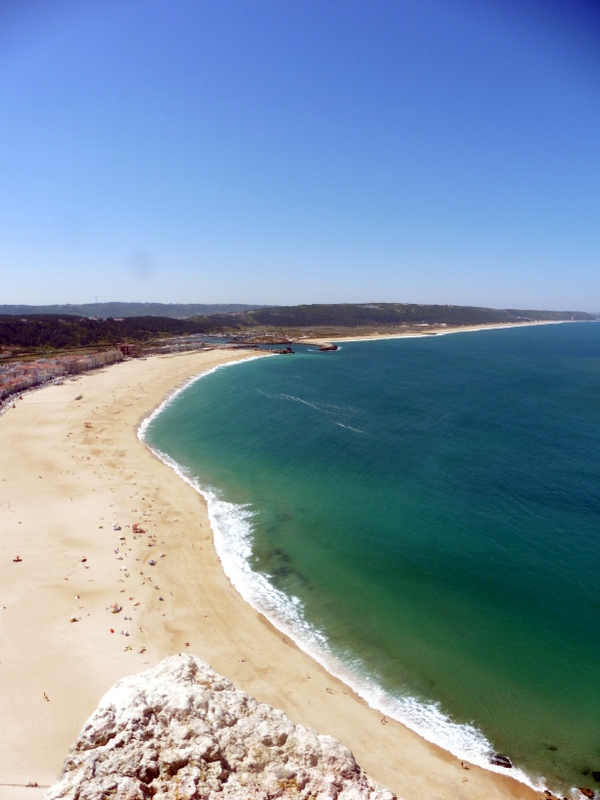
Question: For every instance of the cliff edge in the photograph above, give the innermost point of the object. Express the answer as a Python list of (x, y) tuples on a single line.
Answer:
[(182, 731)]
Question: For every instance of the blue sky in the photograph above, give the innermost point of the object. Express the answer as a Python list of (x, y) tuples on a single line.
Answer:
[(297, 152)]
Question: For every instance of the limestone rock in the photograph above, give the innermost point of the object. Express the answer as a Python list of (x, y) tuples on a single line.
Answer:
[(182, 731)]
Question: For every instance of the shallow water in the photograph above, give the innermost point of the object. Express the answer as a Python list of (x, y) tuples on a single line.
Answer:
[(425, 512)]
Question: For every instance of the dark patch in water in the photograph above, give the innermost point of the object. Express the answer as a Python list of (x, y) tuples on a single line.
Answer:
[(283, 572)]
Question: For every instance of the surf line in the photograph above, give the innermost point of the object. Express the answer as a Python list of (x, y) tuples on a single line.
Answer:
[(232, 536)]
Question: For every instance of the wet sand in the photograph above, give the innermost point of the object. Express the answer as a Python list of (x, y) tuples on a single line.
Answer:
[(64, 485)]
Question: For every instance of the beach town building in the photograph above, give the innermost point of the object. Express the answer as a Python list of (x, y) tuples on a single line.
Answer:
[(18, 377), (21, 376)]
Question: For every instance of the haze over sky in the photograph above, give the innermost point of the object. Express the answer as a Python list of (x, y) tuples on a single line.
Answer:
[(270, 151)]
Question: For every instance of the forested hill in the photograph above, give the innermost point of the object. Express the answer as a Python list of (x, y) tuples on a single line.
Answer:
[(61, 331), (351, 315), (175, 310)]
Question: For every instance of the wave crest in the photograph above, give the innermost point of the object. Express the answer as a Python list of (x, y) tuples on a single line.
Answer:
[(233, 537)]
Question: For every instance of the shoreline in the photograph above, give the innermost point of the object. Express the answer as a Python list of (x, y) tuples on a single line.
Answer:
[(279, 612), (411, 334), (66, 541)]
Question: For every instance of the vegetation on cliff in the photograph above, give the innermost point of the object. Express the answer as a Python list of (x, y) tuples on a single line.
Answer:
[(59, 332), (118, 309), (350, 315)]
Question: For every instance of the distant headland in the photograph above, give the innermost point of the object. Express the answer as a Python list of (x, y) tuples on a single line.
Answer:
[(29, 330)]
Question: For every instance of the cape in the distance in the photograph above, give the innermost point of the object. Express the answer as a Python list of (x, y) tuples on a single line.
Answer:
[(118, 309), (98, 325), (43, 335), (312, 314)]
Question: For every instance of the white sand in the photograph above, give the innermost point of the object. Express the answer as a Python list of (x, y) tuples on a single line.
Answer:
[(62, 487)]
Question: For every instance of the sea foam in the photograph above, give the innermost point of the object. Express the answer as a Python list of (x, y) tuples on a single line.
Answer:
[(233, 537)]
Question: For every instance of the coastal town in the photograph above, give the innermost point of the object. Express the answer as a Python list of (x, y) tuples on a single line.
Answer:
[(21, 376)]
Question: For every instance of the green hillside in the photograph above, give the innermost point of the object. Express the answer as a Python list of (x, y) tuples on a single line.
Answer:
[(350, 315), (116, 309), (62, 331)]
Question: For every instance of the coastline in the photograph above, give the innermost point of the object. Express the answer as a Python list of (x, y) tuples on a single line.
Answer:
[(56, 516), (412, 334)]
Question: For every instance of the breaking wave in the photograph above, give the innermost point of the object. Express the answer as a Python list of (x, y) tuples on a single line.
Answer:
[(233, 537)]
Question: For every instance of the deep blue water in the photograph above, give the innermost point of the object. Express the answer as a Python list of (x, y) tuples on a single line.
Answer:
[(424, 515)]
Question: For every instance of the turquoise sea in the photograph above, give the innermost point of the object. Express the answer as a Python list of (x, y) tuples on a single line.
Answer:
[(423, 515)]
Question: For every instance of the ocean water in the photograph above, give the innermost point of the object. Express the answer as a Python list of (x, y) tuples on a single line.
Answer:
[(422, 515)]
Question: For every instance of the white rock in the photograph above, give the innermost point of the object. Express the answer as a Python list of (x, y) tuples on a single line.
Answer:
[(182, 731)]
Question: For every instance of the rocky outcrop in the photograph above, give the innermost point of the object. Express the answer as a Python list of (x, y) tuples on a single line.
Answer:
[(500, 761), (180, 730)]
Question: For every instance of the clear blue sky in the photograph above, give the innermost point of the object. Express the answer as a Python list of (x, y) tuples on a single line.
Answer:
[(429, 151)]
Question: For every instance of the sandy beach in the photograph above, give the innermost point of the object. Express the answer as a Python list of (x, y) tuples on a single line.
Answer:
[(434, 331), (72, 472)]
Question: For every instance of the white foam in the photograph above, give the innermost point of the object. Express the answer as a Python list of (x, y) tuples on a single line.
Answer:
[(349, 427), (176, 392), (233, 537)]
